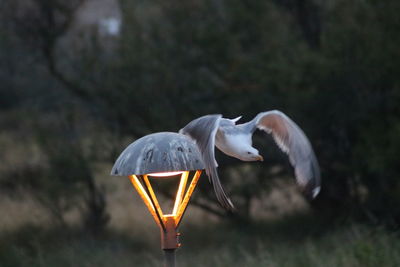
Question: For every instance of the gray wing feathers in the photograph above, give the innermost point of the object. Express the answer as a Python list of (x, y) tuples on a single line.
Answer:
[(203, 131), (292, 140)]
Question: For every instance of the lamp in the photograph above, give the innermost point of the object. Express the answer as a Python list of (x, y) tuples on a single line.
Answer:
[(162, 156)]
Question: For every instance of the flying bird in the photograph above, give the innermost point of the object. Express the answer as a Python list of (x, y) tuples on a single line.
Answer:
[(235, 140)]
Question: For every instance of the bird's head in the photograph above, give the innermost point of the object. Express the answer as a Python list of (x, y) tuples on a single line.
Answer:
[(251, 154)]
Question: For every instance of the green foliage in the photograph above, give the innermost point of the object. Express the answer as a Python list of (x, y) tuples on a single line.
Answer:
[(175, 61), (57, 174)]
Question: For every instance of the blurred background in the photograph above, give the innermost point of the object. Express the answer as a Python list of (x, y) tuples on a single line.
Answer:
[(81, 79)]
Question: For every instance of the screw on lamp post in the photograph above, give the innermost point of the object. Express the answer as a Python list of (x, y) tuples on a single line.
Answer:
[(162, 156)]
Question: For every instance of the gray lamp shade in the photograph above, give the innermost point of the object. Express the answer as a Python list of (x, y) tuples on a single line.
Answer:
[(159, 152)]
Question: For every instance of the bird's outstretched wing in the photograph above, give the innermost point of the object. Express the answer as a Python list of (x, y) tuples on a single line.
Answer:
[(292, 140), (203, 131)]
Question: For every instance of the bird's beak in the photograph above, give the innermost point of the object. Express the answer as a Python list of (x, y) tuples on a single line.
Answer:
[(260, 158)]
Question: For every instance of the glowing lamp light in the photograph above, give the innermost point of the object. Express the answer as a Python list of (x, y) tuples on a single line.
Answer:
[(164, 174), (162, 156)]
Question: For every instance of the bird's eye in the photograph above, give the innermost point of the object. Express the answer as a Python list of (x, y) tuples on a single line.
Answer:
[(249, 153)]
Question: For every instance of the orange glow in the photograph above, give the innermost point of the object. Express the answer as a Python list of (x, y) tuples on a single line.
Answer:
[(145, 190), (146, 199), (185, 201), (141, 190), (153, 196), (179, 194), (164, 174)]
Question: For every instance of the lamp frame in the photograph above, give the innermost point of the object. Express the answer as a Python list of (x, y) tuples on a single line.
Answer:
[(168, 223)]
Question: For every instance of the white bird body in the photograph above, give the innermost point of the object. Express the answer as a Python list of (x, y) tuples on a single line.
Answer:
[(236, 145), (236, 141)]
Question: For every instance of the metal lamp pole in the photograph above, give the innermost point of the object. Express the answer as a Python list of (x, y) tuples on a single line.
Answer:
[(169, 242)]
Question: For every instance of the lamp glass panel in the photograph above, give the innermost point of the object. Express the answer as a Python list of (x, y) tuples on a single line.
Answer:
[(178, 188), (166, 190)]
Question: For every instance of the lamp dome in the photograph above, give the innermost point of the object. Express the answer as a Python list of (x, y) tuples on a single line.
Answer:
[(159, 152)]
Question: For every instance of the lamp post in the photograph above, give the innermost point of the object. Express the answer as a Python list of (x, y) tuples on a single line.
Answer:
[(162, 156)]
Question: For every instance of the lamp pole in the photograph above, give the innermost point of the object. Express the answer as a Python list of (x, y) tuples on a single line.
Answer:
[(169, 257), (169, 241)]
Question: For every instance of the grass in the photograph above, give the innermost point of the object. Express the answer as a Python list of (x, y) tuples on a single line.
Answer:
[(292, 242)]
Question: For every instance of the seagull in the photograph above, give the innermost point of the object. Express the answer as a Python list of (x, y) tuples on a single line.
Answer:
[(235, 140)]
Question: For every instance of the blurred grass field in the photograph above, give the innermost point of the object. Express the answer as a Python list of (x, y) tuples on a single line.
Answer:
[(291, 241), (29, 238)]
